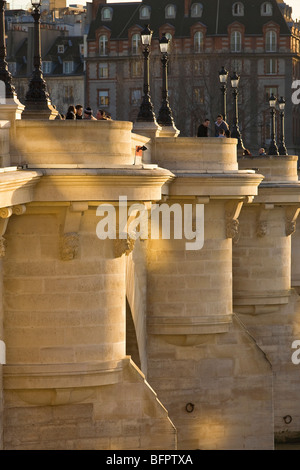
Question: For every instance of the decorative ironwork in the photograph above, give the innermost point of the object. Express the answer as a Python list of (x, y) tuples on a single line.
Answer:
[(146, 112), (165, 116), (37, 94)]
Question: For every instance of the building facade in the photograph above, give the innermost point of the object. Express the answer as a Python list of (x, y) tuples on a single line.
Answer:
[(62, 54), (259, 41)]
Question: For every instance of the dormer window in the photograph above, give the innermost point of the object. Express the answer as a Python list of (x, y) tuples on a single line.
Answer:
[(60, 49), (266, 9), (106, 14), (46, 66), (170, 11), (145, 13), (196, 10), (238, 9), (68, 67)]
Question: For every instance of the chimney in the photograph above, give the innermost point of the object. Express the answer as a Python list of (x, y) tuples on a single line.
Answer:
[(95, 6), (187, 5)]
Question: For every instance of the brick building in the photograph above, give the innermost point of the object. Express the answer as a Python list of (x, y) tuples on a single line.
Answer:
[(257, 39)]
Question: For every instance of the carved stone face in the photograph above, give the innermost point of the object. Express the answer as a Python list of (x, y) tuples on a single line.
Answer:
[(232, 228), (70, 246), (261, 228), (2, 247)]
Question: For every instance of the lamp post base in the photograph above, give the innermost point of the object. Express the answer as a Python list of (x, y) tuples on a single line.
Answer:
[(11, 110), (40, 111), (148, 129), (169, 131)]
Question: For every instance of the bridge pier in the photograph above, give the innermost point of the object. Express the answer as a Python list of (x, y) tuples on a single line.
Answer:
[(263, 293)]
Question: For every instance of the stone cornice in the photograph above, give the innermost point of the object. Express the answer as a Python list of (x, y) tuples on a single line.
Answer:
[(16, 186), (102, 185), (278, 193), (216, 184)]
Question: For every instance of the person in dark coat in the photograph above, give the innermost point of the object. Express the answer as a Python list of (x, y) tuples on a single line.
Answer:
[(203, 128), (220, 124), (79, 111), (71, 113)]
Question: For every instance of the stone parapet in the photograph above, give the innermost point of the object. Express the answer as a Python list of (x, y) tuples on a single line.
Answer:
[(199, 154), (91, 144), (276, 169)]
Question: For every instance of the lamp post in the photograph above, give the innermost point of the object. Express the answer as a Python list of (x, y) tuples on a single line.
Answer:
[(273, 149), (236, 133), (282, 148), (37, 99), (223, 75), (165, 116), (146, 112), (5, 75)]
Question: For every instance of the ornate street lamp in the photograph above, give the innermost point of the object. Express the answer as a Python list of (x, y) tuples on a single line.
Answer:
[(165, 116), (146, 112), (282, 148), (235, 132), (37, 99), (223, 75), (5, 75), (273, 149)]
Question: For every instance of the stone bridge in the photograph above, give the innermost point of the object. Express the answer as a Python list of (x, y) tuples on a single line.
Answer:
[(137, 342)]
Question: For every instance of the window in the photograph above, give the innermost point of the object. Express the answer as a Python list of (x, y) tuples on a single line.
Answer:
[(60, 49), (46, 67), (103, 44), (170, 11), (135, 96), (271, 41), (81, 49), (103, 98), (136, 69), (145, 13), (106, 14), (169, 36), (237, 66), (68, 94), (238, 9), (196, 10), (198, 95), (103, 70), (198, 67), (236, 41), (271, 66), (198, 41), (12, 67), (68, 67), (268, 92), (135, 43), (266, 9)]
